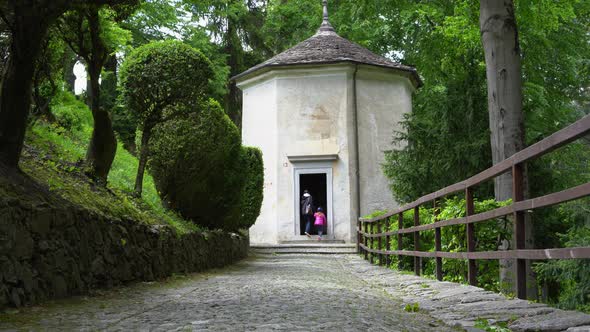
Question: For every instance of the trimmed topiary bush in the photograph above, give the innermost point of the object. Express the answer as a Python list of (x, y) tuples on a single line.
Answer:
[(157, 80), (251, 196), (196, 166)]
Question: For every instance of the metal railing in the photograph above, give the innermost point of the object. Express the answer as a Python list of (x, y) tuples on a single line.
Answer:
[(517, 209)]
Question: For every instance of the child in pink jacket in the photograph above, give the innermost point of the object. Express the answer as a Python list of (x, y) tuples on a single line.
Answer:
[(320, 222)]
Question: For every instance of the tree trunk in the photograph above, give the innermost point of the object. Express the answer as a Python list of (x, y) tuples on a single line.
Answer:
[(499, 35), (143, 158), (69, 61), (108, 100), (233, 101), (88, 87), (28, 30), (103, 144)]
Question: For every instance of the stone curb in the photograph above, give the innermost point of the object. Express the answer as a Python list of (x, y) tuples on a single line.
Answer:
[(461, 305)]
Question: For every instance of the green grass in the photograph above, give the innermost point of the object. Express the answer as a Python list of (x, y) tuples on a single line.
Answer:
[(412, 307), (54, 155)]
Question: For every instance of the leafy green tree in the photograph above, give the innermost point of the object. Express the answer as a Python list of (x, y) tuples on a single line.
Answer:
[(236, 25), (198, 38), (195, 164), (155, 88), (93, 34), (448, 130), (447, 133), (155, 20), (47, 78), (27, 22), (290, 22)]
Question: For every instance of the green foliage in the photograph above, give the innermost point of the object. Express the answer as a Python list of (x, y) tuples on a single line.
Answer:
[(46, 79), (125, 125), (54, 156), (253, 187), (195, 162), (70, 113), (236, 26), (487, 235), (573, 275), (160, 80), (154, 20), (485, 325), (453, 239), (157, 76), (290, 22), (447, 133), (198, 38), (374, 214), (412, 307), (74, 27), (116, 38)]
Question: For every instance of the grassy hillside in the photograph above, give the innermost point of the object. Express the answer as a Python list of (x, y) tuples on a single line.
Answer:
[(53, 157)]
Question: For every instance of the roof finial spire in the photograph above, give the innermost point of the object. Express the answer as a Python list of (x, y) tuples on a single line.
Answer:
[(326, 26)]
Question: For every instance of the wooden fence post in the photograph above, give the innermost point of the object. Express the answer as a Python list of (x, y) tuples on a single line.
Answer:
[(519, 229), (366, 241), (437, 245), (359, 236), (417, 260), (380, 243), (469, 211), (387, 242), (400, 237), (372, 231)]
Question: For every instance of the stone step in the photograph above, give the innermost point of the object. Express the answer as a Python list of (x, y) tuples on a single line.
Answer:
[(314, 241), (309, 248)]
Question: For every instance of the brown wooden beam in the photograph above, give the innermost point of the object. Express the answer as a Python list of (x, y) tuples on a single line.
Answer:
[(569, 134), (470, 210), (536, 254), (417, 260)]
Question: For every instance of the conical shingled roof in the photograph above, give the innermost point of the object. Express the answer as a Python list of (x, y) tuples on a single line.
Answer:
[(327, 47)]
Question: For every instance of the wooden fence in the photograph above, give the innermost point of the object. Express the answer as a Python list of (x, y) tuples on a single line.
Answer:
[(519, 206)]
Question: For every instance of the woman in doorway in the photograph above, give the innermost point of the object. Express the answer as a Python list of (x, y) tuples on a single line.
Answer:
[(307, 211), (320, 222)]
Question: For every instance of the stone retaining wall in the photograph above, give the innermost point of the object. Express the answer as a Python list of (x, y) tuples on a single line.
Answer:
[(48, 253)]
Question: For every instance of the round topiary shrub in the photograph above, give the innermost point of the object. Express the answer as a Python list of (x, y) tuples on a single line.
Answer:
[(158, 79), (252, 169), (195, 164)]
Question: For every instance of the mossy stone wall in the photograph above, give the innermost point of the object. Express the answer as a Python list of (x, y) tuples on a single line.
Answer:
[(48, 253)]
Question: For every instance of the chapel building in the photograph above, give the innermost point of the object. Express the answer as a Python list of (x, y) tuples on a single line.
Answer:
[(323, 113)]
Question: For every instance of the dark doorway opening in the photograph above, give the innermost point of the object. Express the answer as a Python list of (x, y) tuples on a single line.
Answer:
[(316, 184)]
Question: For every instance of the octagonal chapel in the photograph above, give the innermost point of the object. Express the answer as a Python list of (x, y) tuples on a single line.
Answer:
[(323, 113)]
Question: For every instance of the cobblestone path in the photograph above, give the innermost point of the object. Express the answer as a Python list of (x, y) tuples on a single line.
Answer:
[(262, 293)]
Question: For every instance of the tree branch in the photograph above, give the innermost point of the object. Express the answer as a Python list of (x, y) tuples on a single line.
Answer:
[(5, 19)]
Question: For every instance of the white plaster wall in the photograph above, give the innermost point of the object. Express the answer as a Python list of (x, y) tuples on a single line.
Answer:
[(312, 120), (383, 98), (309, 112), (259, 129)]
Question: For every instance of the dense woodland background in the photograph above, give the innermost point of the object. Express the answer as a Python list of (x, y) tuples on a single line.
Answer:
[(448, 132)]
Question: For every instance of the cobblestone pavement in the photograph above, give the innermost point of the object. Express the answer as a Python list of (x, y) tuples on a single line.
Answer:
[(462, 305), (262, 293)]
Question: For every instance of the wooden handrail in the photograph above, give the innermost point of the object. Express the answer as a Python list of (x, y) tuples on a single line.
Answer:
[(560, 253), (517, 209), (543, 201), (576, 130)]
